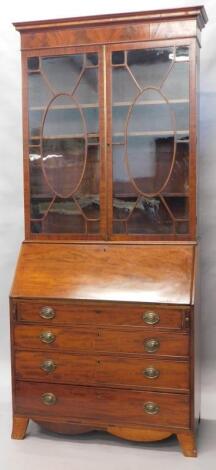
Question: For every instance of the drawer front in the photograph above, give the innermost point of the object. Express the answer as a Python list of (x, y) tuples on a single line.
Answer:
[(135, 341), (102, 370), (101, 314), (110, 406)]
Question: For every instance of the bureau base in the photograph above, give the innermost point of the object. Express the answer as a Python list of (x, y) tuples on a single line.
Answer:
[(186, 439)]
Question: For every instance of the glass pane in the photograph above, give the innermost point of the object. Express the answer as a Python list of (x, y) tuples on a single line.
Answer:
[(33, 63), (64, 151), (150, 119), (150, 66), (91, 59), (176, 86), (39, 92), (124, 88), (63, 217), (178, 206), (38, 183), (118, 58), (87, 91), (182, 228), (63, 72)]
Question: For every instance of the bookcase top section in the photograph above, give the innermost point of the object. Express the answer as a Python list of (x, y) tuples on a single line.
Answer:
[(175, 14), (149, 273)]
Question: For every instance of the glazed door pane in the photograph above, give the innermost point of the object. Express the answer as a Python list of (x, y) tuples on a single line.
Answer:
[(150, 140), (64, 144)]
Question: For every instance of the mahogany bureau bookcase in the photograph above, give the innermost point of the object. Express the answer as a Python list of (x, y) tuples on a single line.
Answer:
[(104, 309)]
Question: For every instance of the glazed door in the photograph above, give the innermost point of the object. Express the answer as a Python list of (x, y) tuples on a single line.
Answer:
[(64, 144), (149, 141)]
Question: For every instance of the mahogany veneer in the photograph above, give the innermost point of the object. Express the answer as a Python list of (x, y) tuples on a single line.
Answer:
[(104, 310)]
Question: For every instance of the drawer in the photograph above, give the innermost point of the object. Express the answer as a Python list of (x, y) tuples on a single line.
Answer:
[(135, 341), (102, 370), (102, 314), (102, 405)]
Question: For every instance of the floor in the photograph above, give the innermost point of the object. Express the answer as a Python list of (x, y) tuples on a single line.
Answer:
[(43, 450)]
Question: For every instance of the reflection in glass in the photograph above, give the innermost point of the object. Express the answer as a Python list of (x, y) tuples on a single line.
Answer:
[(150, 66)]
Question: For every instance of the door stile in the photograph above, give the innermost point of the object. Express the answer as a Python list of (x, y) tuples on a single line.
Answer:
[(102, 92), (109, 142)]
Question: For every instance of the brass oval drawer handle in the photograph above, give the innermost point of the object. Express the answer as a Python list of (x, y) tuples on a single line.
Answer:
[(48, 366), (47, 337), (151, 318), (151, 408), (151, 345), (151, 373), (47, 313), (49, 399)]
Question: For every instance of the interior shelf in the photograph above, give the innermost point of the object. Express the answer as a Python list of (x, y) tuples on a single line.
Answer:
[(115, 104), (65, 136), (115, 134), (159, 133)]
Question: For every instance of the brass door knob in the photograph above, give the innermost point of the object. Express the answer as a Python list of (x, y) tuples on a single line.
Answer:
[(151, 408), (151, 318), (151, 345), (49, 399), (47, 313), (151, 373), (48, 366), (47, 337)]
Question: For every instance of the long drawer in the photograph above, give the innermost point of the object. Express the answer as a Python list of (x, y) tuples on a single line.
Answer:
[(102, 370), (100, 314), (134, 341), (105, 405)]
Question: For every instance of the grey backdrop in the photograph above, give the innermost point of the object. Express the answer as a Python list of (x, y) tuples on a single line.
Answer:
[(11, 189)]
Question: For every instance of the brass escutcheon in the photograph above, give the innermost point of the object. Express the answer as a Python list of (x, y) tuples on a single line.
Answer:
[(49, 399), (151, 345), (47, 313), (151, 408), (47, 337), (151, 318)]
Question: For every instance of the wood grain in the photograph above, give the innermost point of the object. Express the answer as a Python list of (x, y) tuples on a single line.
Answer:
[(139, 273), (138, 435), (99, 340), (112, 406), (99, 370), (20, 425), (99, 314), (187, 443)]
